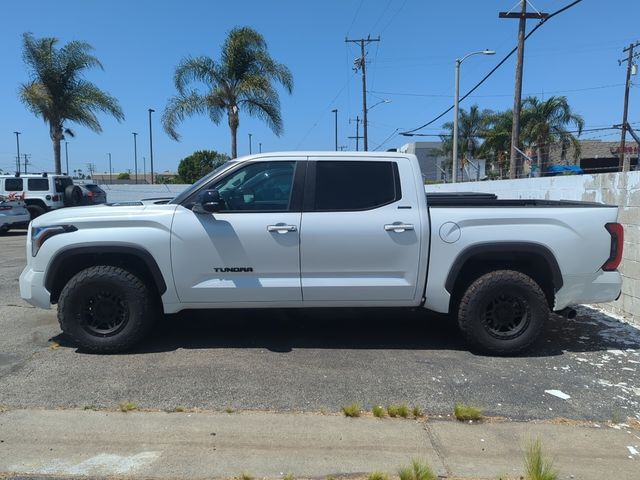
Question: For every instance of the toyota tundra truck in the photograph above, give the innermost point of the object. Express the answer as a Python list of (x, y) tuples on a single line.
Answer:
[(308, 230)]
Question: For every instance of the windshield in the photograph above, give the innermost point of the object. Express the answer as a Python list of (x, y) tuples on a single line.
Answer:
[(186, 193)]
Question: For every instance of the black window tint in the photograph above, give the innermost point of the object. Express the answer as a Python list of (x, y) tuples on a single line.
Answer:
[(38, 184), (62, 183), (13, 185), (262, 186), (355, 185)]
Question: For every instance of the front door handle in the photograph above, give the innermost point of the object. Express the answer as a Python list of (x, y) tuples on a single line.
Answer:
[(398, 227), (281, 228)]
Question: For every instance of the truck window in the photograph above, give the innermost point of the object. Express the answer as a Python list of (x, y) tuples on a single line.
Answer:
[(263, 186), (62, 183), (38, 184), (347, 185), (13, 184)]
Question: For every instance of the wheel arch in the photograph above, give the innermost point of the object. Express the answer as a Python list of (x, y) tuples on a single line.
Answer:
[(532, 259), (72, 260)]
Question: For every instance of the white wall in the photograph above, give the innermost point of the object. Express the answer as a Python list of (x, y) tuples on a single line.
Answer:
[(612, 188)]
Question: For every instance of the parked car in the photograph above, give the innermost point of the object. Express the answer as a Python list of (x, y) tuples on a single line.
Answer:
[(328, 229), (13, 214), (42, 192), (92, 194)]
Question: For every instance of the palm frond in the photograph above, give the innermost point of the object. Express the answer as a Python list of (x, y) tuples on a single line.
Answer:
[(180, 107)]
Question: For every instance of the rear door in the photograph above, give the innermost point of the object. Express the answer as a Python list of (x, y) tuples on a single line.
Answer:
[(360, 231)]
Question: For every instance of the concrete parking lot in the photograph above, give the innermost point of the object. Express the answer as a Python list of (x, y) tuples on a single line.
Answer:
[(316, 360)]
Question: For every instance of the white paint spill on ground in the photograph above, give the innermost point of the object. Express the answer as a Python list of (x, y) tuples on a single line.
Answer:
[(632, 450), (558, 393), (102, 464)]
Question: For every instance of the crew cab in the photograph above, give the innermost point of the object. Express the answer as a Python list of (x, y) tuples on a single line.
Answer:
[(317, 229)]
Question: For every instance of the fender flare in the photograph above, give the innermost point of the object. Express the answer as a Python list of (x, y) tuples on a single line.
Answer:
[(66, 254), (504, 247)]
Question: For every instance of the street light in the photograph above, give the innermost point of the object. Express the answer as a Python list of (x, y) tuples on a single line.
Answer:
[(135, 154), (18, 146), (249, 144), (66, 155), (454, 171), (335, 111), (151, 110), (110, 170), (378, 103)]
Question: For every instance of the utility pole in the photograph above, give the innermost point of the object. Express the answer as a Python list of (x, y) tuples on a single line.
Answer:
[(259, 147), (110, 170), (18, 147), (250, 152), (151, 110), (357, 137), (361, 64), (517, 99), (624, 159), (144, 169), (91, 167), (26, 161)]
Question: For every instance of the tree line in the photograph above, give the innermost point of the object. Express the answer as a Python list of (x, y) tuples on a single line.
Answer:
[(243, 79)]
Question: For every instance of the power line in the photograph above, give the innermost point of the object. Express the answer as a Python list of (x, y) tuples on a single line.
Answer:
[(491, 72)]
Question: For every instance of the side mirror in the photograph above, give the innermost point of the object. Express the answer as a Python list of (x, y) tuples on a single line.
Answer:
[(208, 201)]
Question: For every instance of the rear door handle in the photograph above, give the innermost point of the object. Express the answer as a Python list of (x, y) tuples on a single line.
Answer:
[(398, 227), (281, 228)]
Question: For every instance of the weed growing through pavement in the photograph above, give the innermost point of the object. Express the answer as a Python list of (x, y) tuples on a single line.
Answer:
[(536, 466), (467, 412), (128, 406), (378, 412), (245, 476), (403, 411), (352, 410), (289, 476), (417, 412), (378, 476), (230, 410), (180, 409), (417, 471)]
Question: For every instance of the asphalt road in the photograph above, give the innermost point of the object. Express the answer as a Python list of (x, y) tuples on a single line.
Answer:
[(314, 360)]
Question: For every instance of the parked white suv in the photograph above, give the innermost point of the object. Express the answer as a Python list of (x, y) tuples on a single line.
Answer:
[(42, 192)]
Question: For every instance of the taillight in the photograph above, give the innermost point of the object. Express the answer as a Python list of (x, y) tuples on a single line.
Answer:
[(55, 198), (90, 194), (617, 241)]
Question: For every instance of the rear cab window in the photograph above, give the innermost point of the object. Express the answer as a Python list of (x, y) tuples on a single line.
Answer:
[(355, 185)]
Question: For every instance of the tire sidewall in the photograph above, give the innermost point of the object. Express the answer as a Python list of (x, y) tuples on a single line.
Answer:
[(487, 287)]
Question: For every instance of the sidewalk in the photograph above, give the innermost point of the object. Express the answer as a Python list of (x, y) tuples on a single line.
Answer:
[(220, 445)]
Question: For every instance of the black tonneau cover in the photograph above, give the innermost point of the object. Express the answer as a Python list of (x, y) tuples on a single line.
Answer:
[(478, 199)]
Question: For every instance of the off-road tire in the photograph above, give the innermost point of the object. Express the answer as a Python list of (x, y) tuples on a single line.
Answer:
[(488, 304), (35, 210), (72, 196), (92, 295)]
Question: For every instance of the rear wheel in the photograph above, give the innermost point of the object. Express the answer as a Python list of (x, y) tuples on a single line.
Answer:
[(503, 312), (105, 309)]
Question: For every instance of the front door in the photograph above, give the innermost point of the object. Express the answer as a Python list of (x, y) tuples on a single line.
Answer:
[(250, 250)]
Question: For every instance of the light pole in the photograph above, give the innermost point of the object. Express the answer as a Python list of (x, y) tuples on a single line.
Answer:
[(454, 166), (151, 110), (260, 147), (18, 147), (135, 155), (335, 111), (66, 155), (144, 169), (249, 144), (110, 170)]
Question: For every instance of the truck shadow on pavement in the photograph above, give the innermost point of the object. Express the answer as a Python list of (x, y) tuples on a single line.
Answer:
[(372, 328)]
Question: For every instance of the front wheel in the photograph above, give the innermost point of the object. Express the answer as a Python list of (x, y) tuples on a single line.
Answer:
[(503, 312), (105, 309)]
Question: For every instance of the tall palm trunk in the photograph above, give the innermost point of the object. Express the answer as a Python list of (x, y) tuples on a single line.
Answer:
[(55, 132), (234, 122)]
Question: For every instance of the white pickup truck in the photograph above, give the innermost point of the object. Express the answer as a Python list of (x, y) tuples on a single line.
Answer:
[(322, 230)]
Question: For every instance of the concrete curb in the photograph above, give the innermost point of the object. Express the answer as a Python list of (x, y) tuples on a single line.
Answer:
[(219, 445)]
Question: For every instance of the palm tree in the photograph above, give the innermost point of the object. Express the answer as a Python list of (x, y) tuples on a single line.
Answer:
[(472, 126), (545, 122), (57, 90), (242, 79)]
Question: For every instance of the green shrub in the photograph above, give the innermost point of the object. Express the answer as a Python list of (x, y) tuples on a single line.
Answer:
[(378, 476), (536, 466), (467, 412), (378, 412), (352, 410), (417, 471)]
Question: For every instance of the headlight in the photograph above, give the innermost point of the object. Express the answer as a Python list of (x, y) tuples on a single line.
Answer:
[(39, 235)]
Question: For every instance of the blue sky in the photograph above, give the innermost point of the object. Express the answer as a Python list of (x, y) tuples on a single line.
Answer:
[(141, 42)]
